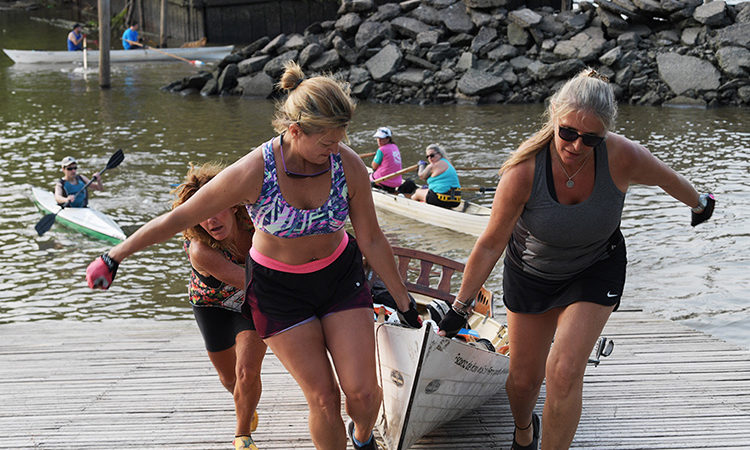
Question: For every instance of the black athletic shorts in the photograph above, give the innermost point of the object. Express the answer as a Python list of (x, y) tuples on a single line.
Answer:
[(432, 199), (601, 283), (220, 326)]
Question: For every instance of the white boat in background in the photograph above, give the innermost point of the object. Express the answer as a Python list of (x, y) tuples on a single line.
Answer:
[(85, 220), (427, 379), (467, 217), (118, 56)]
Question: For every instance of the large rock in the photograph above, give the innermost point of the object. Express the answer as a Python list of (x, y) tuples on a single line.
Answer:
[(348, 22), (252, 65), (409, 77), (711, 14), (275, 67), (356, 6), (649, 6), (228, 78), (737, 35), (517, 35), (275, 43), (344, 51), (293, 42), (482, 42), (427, 14), (408, 26), (502, 52), (456, 19), (385, 62), (428, 38), (309, 54), (369, 33), (734, 61), (387, 11), (524, 17), (326, 62), (586, 45), (258, 85), (684, 73), (475, 82)]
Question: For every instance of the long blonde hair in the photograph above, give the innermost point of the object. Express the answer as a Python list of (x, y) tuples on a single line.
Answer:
[(196, 178), (587, 92), (315, 104)]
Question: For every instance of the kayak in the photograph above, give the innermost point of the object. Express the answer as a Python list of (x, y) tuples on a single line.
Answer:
[(85, 220), (118, 56)]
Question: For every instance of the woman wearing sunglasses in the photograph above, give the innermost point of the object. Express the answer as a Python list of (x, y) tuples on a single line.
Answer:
[(68, 188), (442, 180), (556, 214), (306, 288)]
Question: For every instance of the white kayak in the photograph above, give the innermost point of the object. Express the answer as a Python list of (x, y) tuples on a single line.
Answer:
[(118, 56), (85, 220)]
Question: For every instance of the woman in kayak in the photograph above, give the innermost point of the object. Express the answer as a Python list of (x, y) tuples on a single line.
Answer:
[(306, 287), (216, 249), (68, 187)]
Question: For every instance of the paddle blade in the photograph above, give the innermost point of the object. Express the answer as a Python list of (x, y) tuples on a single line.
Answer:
[(45, 224), (115, 159)]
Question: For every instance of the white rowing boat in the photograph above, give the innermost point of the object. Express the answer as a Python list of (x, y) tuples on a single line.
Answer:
[(427, 379), (118, 56), (85, 220), (467, 217)]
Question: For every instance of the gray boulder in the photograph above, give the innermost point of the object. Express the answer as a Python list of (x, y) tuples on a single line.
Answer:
[(734, 61), (456, 19), (711, 14), (482, 42), (427, 14), (326, 62), (517, 35), (690, 35), (683, 73), (348, 23), (252, 65), (409, 77), (293, 42), (358, 75), (356, 6), (259, 85), (275, 43), (210, 88), (370, 32), (416, 61), (428, 38), (611, 57), (649, 6), (486, 4), (228, 78), (502, 52), (466, 61), (475, 82), (387, 11), (275, 67), (309, 54), (408, 26), (737, 35), (384, 63), (524, 17), (345, 52)]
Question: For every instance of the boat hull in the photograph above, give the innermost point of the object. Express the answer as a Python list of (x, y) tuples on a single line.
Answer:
[(118, 56), (468, 218), (429, 380), (84, 220)]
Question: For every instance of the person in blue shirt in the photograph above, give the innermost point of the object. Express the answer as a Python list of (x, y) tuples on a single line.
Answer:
[(71, 183), (75, 38), (443, 187), (131, 35)]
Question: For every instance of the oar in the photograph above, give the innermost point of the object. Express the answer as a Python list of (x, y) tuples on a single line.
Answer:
[(477, 168), (479, 189), (194, 62), (367, 155), (46, 223), (395, 174), (85, 56)]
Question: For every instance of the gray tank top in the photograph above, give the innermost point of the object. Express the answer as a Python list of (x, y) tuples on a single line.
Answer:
[(555, 241)]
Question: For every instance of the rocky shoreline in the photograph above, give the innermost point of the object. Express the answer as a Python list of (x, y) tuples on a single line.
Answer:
[(667, 52)]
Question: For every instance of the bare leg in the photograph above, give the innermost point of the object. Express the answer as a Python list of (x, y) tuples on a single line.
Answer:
[(420, 195), (530, 336), (579, 326), (250, 352), (302, 350), (352, 349), (225, 362)]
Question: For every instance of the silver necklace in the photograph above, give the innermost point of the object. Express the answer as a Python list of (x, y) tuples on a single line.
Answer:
[(570, 183)]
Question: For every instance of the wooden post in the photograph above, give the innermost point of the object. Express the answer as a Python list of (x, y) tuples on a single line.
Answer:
[(104, 33), (566, 5), (140, 15), (163, 25)]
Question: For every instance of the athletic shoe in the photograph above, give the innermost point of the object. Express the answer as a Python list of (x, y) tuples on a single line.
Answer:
[(244, 443), (372, 445), (534, 445)]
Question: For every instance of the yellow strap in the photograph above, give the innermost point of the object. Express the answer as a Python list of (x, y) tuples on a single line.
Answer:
[(448, 197)]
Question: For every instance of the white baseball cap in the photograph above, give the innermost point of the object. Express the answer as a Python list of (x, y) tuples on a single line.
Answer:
[(68, 160), (382, 133)]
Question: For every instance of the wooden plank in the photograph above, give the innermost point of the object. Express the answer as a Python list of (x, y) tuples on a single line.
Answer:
[(149, 384)]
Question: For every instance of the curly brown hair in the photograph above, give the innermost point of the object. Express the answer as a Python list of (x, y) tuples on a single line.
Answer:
[(197, 177)]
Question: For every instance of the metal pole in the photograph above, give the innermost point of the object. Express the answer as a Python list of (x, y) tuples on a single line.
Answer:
[(163, 25), (104, 33)]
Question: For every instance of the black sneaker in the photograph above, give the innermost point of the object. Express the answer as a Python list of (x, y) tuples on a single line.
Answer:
[(372, 445), (534, 445)]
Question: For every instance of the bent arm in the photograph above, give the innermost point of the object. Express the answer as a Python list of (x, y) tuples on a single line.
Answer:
[(60, 193), (210, 261)]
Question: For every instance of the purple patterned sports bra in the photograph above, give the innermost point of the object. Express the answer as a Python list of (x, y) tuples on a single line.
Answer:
[(272, 214)]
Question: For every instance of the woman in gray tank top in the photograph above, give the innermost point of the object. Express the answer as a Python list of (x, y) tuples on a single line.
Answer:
[(556, 214)]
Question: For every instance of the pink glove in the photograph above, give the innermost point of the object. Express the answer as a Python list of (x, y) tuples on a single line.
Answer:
[(101, 272)]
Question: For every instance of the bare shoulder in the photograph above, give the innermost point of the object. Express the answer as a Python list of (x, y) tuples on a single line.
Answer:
[(245, 174), (353, 164), (519, 177), (626, 158)]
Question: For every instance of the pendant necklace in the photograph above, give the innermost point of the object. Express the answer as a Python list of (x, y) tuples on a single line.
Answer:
[(570, 183)]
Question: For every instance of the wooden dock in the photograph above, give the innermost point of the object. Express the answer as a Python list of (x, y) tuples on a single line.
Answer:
[(147, 384)]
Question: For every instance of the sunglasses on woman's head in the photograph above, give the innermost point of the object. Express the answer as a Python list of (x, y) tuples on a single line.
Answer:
[(571, 135)]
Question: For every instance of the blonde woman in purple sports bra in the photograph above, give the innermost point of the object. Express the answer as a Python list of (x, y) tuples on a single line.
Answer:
[(306, 290)]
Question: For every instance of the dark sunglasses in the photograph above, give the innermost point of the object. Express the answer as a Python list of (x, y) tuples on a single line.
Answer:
[(432, 155), (72, 168), (570, 135)]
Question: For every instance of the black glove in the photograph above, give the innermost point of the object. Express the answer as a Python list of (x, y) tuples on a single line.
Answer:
[(452, 323), (708, 202), (411, 316)]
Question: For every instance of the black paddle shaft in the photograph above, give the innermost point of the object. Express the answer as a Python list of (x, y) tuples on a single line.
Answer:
[(46, 222)]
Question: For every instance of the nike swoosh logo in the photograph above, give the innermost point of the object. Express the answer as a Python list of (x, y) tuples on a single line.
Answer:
[(610, 294)]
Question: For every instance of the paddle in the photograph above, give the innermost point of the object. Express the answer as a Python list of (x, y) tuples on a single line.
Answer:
[(395, 174), (46, 223), (194, 62), (477, 168), (479, 189), (367, 155)]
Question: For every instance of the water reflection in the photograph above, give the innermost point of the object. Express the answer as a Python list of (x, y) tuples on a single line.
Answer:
[(694, 275)]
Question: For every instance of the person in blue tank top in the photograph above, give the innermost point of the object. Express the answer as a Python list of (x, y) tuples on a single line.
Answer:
[(556, 215), (75, 38), (130, 40), (443, 188), (68, 187)]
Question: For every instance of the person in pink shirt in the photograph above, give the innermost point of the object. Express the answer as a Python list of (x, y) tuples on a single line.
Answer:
[(387, 160)]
